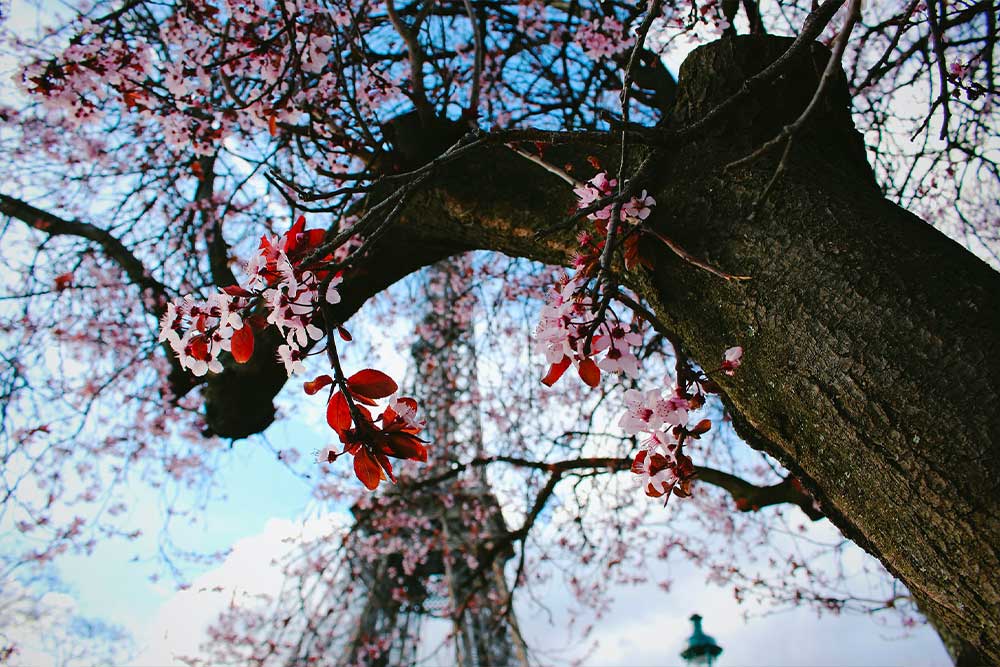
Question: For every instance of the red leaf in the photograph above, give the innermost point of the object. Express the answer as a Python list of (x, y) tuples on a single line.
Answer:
[(338, 415), (631, 252), (364, 400), (131, 99), (242, 344), (272, 125), (316, 384), (653, 492), (199, 348), (292, 235), (405, 446), (367, 469), (372, 384), (313, 237), (637, 463), (658, 463), (701, 427), (345, 334), (64, 280), (386, 466), (590, 373), (236, 290), (555, 372)]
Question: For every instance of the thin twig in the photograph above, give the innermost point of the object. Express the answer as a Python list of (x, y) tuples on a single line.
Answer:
[(477, 67), (691, 259), (551, 168)]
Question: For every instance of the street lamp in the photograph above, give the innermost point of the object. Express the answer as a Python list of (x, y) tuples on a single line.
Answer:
[(701, 649)]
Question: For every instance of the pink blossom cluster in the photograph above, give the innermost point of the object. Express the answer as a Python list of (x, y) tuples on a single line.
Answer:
[(559, 328), (634, 211), (291, 302), (603, 38), (661, 464), (531, 17), (198, 331), (286, 293), (566, 322), (662, 420)]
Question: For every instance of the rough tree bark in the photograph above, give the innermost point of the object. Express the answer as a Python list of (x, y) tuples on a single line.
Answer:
[(871, 368)]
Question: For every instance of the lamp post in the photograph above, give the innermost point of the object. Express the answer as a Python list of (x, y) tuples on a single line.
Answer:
[(701, 648)]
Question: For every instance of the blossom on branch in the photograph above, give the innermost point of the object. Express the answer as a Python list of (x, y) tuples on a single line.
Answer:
[(280, 284)]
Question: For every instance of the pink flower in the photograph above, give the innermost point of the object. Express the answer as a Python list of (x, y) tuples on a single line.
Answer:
[(732, 359), (638, 412), (291, 359), (617, 340), (332, 295), (328, 454), (673, 411), (638, 208)]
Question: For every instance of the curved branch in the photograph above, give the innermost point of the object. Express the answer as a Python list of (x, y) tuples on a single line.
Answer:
[(53, 225), (857, 315), (154, 294), (747, 496)]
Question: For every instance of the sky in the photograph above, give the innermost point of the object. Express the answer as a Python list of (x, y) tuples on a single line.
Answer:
[(264, 505), (645, 626)]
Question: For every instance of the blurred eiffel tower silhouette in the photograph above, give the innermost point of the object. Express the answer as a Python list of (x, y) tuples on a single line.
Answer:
[(461, 576)]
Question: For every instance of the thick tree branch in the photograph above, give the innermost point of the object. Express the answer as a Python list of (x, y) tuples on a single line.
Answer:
[(751, 498)]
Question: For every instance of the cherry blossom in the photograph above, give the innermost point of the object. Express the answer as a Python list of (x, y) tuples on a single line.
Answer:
[(732, 359)]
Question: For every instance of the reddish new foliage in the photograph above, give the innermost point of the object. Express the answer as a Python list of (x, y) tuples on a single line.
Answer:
[(371, 444)]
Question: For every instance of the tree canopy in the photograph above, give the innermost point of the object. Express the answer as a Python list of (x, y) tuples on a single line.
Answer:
[(200, 196)]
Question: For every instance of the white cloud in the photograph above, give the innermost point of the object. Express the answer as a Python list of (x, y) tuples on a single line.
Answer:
[(179, 627)]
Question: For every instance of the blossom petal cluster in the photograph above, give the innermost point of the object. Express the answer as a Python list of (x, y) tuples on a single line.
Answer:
[(661, 463), (565, 328), (663, 419), (281, 291), (633, 212), (600, 187), (284, 290), (198, 331), (603, 38)]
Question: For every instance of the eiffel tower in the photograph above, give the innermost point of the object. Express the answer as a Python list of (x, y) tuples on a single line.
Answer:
[(460, 578)]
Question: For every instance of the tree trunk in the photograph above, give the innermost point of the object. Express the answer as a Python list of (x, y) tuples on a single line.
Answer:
[(871, 368)]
